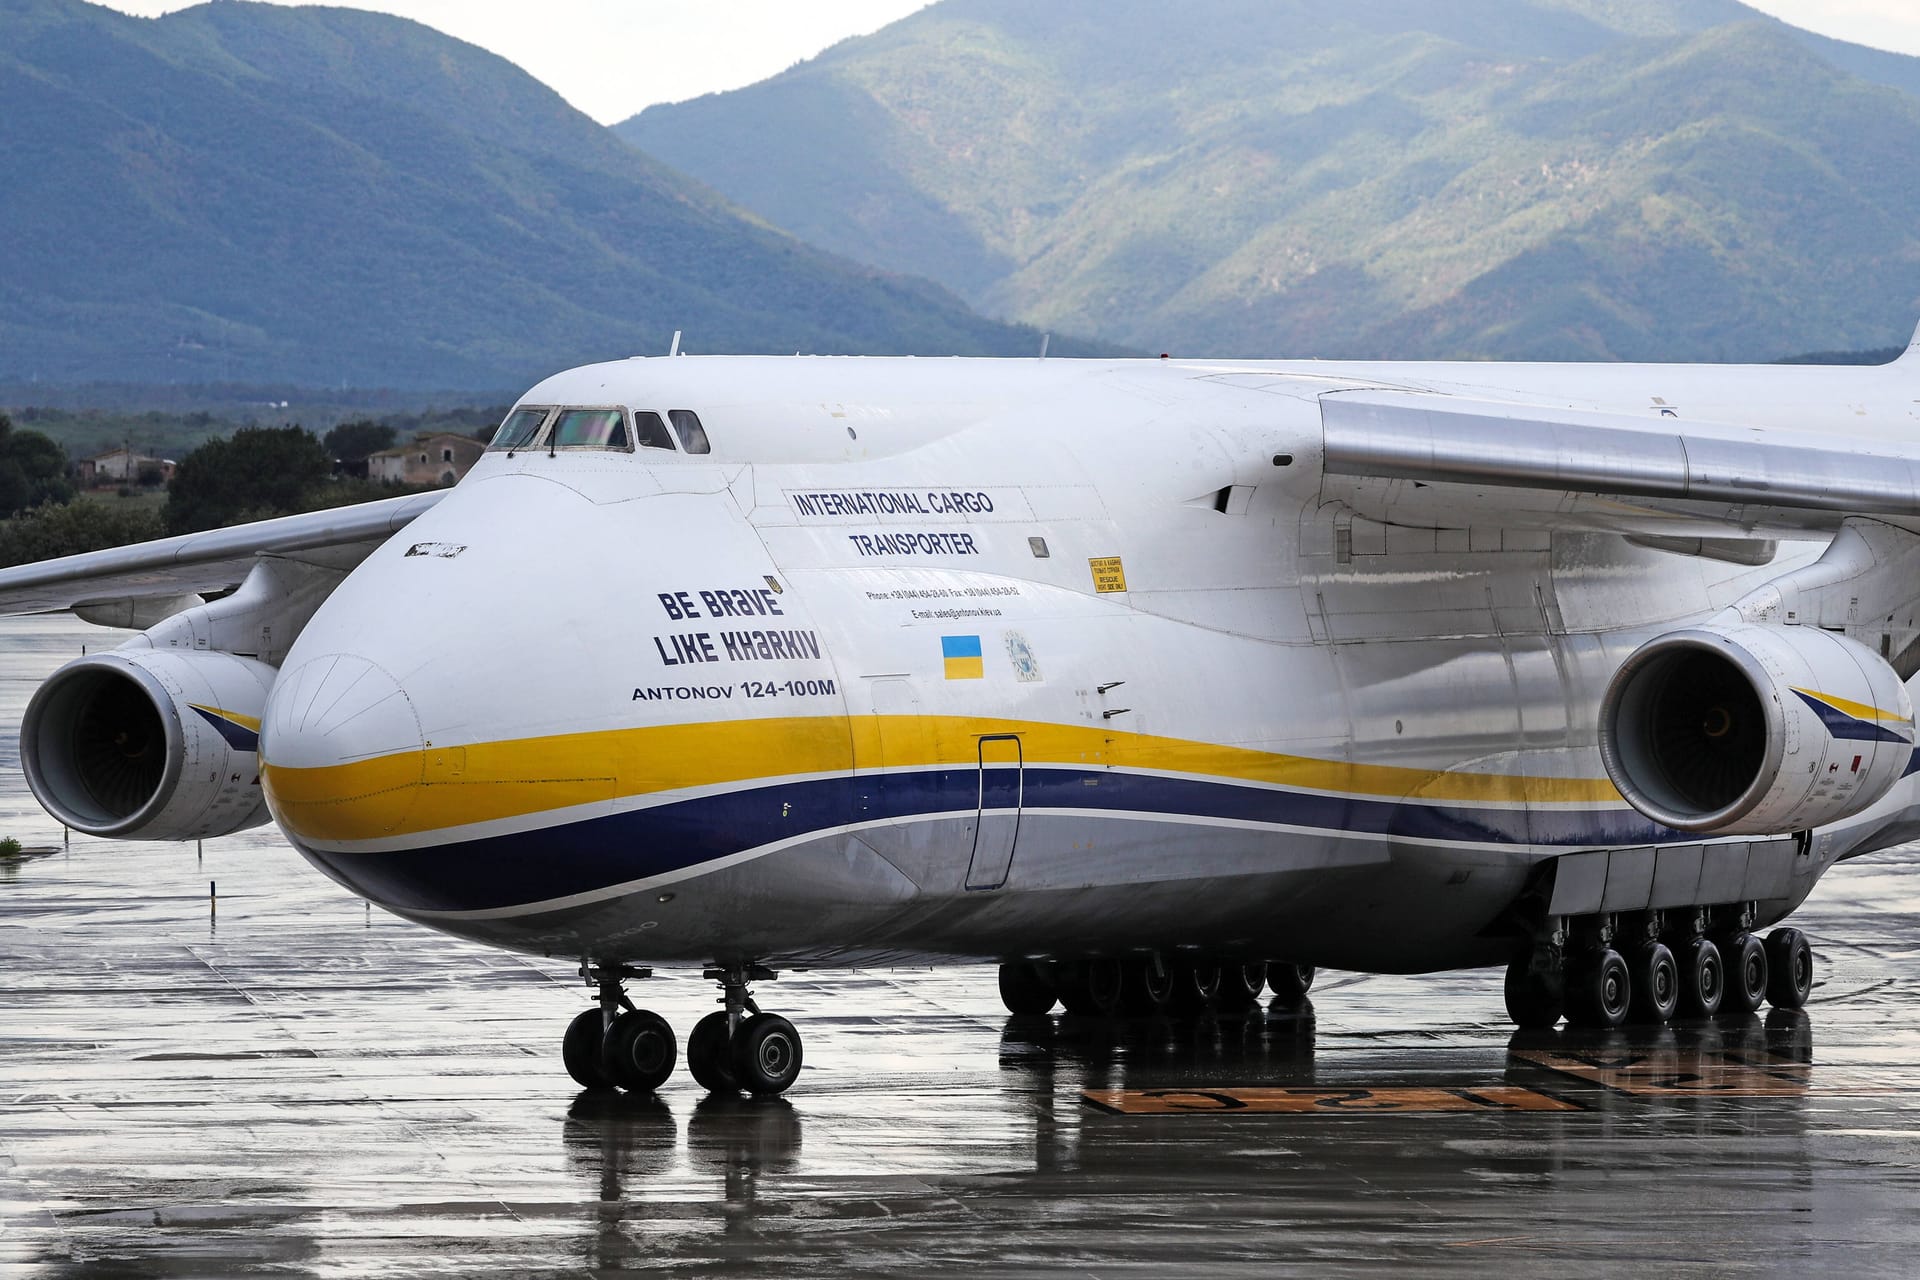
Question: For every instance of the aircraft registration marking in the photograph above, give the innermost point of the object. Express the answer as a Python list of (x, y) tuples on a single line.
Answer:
[(1320, 1100)]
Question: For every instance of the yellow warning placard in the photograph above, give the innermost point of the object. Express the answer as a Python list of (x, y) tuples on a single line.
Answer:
[(1108, 575)]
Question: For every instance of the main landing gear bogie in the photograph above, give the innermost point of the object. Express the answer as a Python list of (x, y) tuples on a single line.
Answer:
[(1605, 981), (1148, 985), (740, 1047)]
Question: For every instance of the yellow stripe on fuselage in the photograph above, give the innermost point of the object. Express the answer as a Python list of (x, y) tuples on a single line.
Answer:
[(442, 787)]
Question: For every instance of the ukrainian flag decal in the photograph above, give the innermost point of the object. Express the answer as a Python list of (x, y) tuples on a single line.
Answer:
[(962, 654)]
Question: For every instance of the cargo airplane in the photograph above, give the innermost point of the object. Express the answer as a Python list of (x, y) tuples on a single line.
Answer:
[(1157, 682)]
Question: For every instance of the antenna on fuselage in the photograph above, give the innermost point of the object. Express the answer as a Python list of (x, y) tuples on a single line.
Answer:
[(675, 349), (1045, 340)]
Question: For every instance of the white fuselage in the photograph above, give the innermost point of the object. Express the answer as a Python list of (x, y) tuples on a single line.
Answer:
[(958, 658)]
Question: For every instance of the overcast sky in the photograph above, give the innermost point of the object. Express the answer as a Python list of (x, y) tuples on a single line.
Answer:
[(610, 58)]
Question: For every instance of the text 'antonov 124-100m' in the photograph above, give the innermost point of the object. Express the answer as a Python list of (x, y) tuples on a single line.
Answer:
[(1154, 681)]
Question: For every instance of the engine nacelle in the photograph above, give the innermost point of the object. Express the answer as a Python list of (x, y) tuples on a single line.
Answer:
[(149, 744), (1754, 730)]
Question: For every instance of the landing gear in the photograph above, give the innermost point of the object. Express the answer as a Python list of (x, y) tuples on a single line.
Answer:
[(1653, 966), (1656, 983), (766, 1055), (1149, 984), (1195, 986), (1789, 969), (1289, 982), (580, 1050), (1025, 988), (742, 1047), (1241, 985), (1146, 986), (617, 1044), (639, 1051), (710, 1054), (1090, 988), (1536, 990), (1746, 958), (1599, 990), (1703, 979)]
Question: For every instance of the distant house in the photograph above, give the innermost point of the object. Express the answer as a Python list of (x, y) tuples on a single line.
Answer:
[(123, 466), (436, 459)]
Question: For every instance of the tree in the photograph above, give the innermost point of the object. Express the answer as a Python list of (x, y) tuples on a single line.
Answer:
[(258, 473), (64, 530), (33, 470), (353, 441)]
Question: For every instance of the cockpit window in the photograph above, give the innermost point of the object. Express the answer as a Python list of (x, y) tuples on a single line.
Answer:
[(693, 436), (518, 431), (589, 429), (652, 431)]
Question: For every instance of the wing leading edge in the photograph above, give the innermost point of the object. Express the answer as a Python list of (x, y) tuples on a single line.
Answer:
[(211, 561), (1440, 439)]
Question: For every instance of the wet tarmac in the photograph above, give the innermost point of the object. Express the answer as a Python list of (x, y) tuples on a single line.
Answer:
[(283, 1082)]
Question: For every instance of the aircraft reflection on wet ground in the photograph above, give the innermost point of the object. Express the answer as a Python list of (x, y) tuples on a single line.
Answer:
[(292, 1084)]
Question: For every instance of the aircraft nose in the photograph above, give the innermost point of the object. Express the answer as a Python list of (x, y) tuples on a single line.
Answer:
[(342, 752)]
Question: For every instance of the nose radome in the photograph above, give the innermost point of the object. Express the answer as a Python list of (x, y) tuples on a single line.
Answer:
[(342, 753)]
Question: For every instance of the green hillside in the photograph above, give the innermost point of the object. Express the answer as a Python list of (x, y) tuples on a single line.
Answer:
[(249, 193), (1670, 179)]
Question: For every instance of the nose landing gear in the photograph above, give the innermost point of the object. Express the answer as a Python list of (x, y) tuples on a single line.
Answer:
[(617, 1044), (741, 1047)]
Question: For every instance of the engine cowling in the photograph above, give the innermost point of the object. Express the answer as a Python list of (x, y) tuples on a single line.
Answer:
[(1754, 730), (149, 744)]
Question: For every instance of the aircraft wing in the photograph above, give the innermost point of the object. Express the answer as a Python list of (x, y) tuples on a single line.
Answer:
[(1439, 439), (200, 562)]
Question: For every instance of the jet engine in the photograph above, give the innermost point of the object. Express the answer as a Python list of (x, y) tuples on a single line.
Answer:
[(1754, 730), (149, 744)]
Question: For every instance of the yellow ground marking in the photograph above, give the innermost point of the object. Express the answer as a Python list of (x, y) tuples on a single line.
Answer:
[(1321, 1100)]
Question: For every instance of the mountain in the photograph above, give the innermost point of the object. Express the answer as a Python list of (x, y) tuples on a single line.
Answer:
[(254, 193), (1638, 179)]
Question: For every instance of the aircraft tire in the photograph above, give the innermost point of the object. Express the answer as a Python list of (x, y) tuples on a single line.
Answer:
[(1241, 985), (1656, 984), (1195, 986), (1703, 979), (639, 1052), (766, 1055), (1599, 991), (710, 1054), (1090, 988), (1536, 998), (1747, 975), (580, 1050), (1146, 986), (1026, 988), (1789, 969), (1289, 983)]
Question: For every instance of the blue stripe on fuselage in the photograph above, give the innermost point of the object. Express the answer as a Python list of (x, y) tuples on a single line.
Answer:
[(597, 853)]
